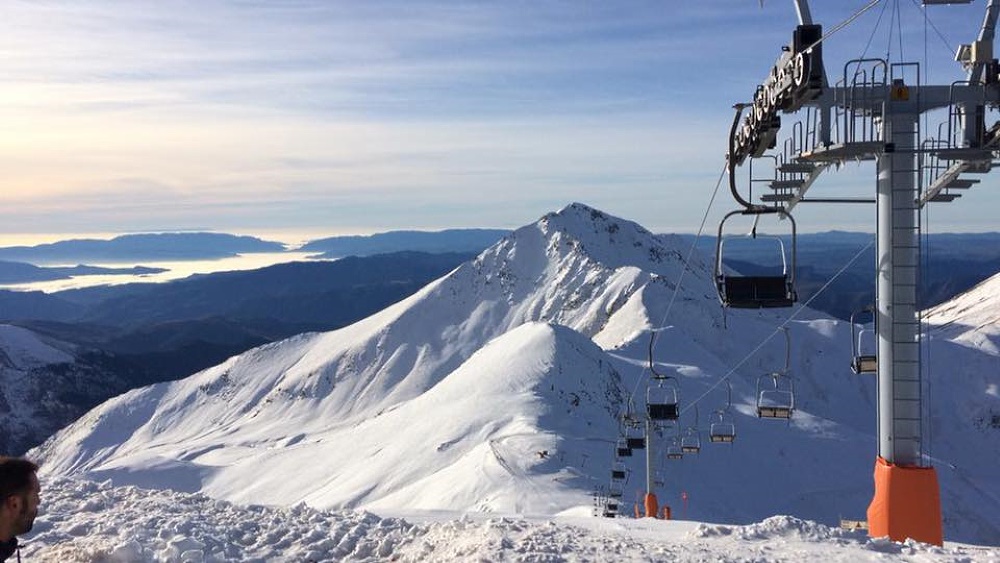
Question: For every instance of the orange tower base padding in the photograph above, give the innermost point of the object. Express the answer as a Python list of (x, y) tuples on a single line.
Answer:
[(652, 506), (907, 504)]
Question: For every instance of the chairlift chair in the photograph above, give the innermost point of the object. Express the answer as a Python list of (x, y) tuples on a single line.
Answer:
[(674, 450), (758, 290), (622, 449), (618, 471), (661, 399), (778, 402), (722, 429), (616, 489), (863, 358), (691, 443), (635, 438)]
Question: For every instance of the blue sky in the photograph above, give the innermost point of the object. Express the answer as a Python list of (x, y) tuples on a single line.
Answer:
[(329, 117)]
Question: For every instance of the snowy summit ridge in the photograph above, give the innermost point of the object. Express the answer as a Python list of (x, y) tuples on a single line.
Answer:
[(238, 429)]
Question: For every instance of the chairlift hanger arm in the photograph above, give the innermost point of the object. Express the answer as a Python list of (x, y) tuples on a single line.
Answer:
[(802, 9), (986, 35)]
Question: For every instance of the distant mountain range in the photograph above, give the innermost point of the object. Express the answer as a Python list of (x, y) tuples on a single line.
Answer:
[(451, 240), (952, 262), (140, 248), (20, 272)]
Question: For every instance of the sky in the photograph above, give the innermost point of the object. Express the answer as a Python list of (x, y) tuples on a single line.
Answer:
[(355, 117)]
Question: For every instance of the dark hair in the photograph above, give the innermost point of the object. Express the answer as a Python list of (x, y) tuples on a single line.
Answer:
[(15, 476)]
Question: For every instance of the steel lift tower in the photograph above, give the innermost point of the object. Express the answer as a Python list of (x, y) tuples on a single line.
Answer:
[(873, 112)]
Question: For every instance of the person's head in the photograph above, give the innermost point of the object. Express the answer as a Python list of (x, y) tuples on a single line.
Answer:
[(18, 495)]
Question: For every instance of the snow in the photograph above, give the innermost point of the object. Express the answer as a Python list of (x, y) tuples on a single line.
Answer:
[(486, 406), (22, 349), (971, 319), (85, 521)]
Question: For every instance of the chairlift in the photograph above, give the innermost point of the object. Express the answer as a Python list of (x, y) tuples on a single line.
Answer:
[(635, 437), (722, 429), (674, 450), (610, 509), (691, 443), (616, 489), (863, 358), (618, 471), (661, 399), (622, 449), (777, 401), (763, 289)]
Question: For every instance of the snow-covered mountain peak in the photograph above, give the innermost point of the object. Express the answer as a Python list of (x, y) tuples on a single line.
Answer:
[(610, 240)]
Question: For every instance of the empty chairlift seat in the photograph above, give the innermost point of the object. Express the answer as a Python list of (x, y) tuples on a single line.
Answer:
[(863, 343), (661, 400), (635, 438), (618, 471), (776, 402), (691, 444), (616, 490), (722, 430), (622, 449), (773, 284), (757, 292), (674, 450)]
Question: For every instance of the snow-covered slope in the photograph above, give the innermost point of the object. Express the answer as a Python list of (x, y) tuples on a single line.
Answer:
[(498, 387), (44, 385), (972, 318)]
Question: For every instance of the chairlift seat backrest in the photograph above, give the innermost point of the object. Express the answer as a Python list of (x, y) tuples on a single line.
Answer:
[(774, 412), (754, 292), (665, 411), (623, 450), (618, 474), (865, 364), (722, 432), (636, 443)]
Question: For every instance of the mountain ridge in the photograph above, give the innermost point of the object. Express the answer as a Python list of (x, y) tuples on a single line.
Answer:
[(327, 396)]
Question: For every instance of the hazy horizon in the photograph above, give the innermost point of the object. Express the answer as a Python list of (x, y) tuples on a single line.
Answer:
[(359, 117)]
